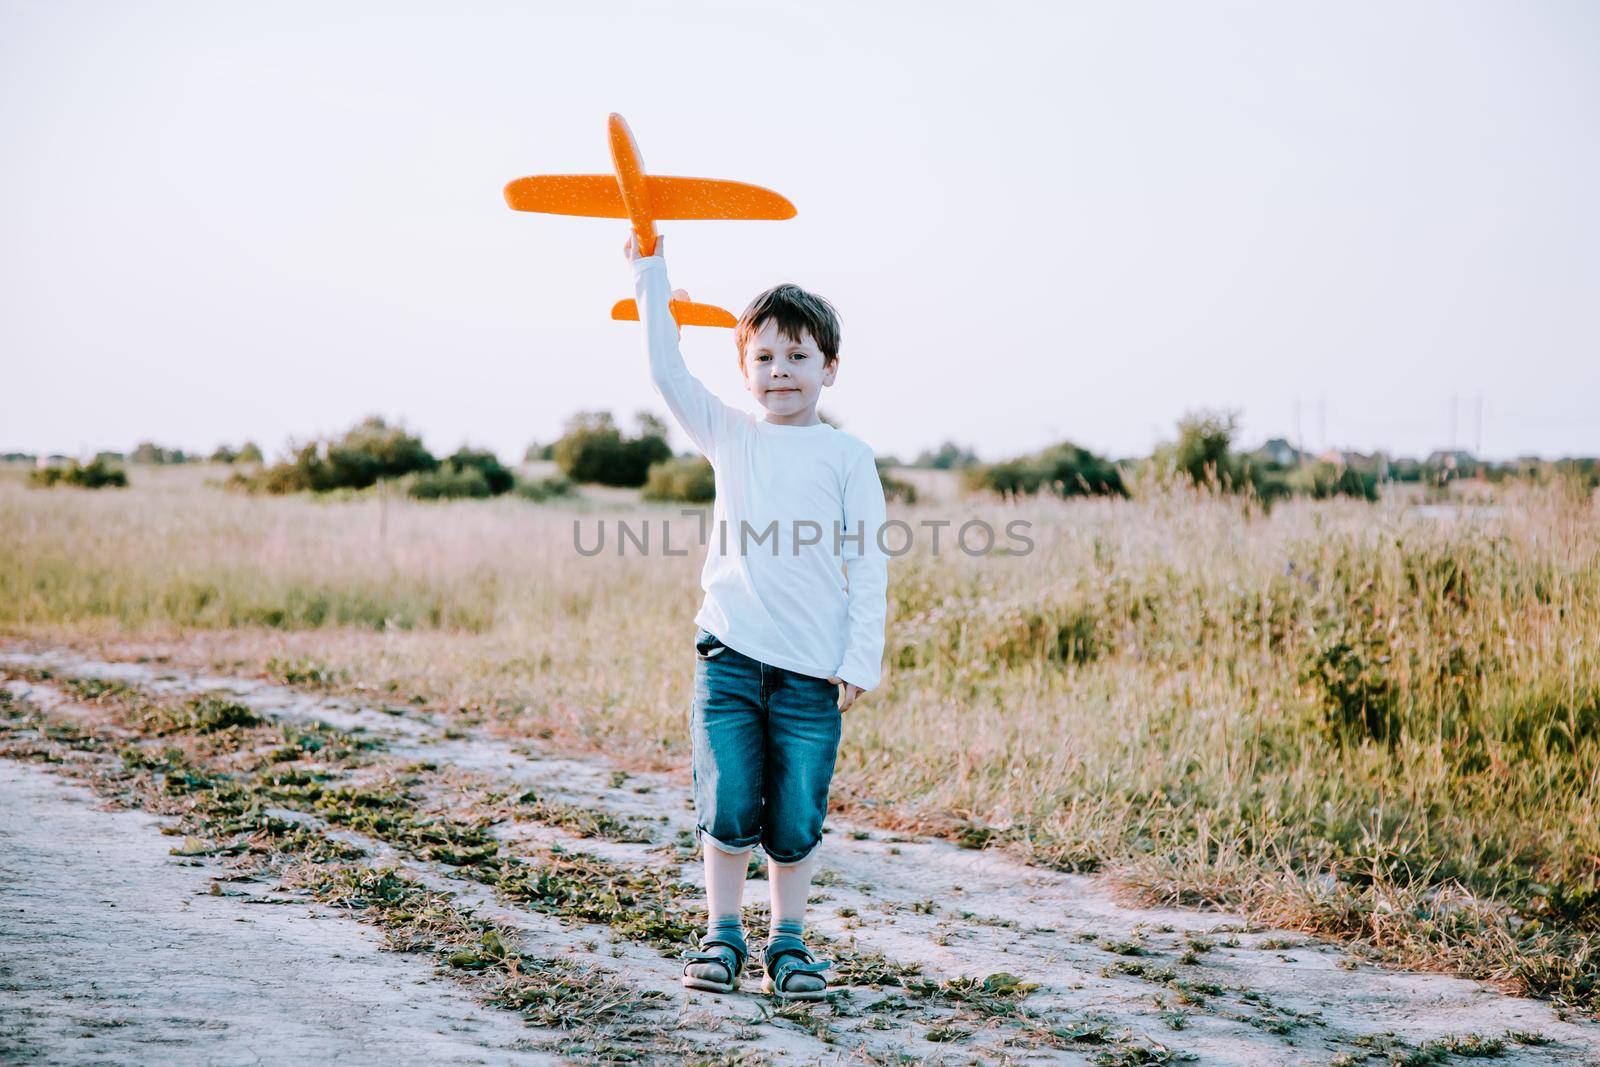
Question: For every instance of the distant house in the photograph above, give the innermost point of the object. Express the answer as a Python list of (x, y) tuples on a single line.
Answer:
[(1278, 452), (1376, 463), (1451, 460), (1524, 466), (1405, 469)]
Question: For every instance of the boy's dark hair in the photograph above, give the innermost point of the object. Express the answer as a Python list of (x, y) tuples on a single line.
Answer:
[(795, 310)]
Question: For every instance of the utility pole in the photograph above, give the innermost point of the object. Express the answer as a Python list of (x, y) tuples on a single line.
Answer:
[(1455, 402), (1299, 439), (1477, 431)]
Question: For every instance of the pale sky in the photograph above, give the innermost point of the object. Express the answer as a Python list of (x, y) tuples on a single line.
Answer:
[(222, 221)]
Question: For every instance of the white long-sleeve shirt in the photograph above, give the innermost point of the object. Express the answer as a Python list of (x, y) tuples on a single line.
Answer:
[(778, 599)]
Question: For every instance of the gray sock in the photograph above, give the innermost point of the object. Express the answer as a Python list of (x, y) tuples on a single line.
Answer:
[(726, 928), (723, 928), (789, 930)]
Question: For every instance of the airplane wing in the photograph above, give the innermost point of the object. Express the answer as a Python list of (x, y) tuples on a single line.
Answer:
[(597, 196), (685, 313), (713, 198), (594, 195)]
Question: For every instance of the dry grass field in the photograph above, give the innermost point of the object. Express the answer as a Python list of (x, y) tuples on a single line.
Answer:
[(1374, 723)]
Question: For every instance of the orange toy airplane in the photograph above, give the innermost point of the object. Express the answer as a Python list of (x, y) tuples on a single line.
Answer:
[(643, 198)]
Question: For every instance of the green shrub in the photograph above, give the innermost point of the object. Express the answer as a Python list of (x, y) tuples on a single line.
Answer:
[(305, 472), (374, 450), (1203, 455), (949, 456), (1325, 480), (541, 489), (95, 475), (467, 473), (1201, 452), (1064, 469), (152, 453), (593, 450), (367, 453), (687, 481), (248, 453), (448, 483), (1321, 480)]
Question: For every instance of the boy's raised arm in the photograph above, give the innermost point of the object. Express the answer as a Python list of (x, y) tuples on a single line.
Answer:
[(703, 416), (867, 573)]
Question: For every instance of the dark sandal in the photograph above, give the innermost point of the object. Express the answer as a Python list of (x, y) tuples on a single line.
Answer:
[(790, 959), (708, 954)]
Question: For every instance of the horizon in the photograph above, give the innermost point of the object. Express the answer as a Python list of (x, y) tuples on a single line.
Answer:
[(232, 228), (908, 459)]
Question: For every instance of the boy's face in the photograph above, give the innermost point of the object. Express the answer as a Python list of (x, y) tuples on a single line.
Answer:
[(786, 375)]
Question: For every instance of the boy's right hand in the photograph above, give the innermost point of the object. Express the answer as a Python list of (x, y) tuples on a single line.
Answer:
[(631, 249)]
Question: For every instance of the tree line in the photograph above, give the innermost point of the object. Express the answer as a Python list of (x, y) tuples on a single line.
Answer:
[(594, 450)]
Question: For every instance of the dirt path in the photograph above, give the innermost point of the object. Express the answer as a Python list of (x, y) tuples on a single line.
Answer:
[(1140, 986), (113, 952)]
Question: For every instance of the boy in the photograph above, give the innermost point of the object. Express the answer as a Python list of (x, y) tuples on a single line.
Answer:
[(780, 628)]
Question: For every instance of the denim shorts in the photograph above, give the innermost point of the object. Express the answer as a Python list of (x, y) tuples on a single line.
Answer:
[(765, 740)]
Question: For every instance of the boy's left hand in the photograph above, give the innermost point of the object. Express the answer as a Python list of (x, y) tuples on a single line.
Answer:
[(851, 692)]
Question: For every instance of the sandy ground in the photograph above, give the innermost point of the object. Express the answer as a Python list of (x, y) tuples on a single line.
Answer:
[(951, 910), (113, 951)]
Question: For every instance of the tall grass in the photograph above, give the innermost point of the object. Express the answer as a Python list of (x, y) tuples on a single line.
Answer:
[(1355, 719)]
